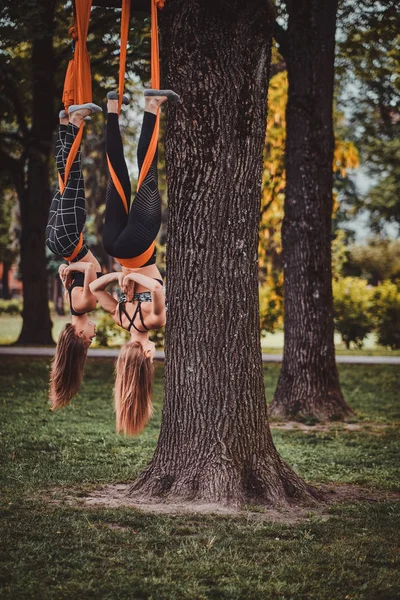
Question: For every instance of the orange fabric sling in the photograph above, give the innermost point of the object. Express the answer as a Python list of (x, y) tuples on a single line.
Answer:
[(77, 86), (78, 90), (155, 84), (138, 261)]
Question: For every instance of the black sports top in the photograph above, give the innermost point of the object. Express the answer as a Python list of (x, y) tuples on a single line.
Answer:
[(141, 297), (79, 280)]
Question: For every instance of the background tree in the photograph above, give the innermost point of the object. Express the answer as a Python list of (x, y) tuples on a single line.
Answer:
[(345, 158), (215, 443), (308, 384)]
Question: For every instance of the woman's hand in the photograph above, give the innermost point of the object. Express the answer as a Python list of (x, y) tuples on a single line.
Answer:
[(120, 279), (128, 287), (68, 277), (61, 273)]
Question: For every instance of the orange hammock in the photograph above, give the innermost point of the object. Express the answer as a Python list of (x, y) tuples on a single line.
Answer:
[(78, 89)]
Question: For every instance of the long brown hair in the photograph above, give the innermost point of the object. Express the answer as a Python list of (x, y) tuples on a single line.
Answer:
[(67, 367), (133, 386)]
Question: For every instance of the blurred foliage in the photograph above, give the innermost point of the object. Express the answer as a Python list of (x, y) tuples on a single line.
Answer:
[(10, 307), (375, 262), (8, 224), (368, 85), (107, 331), (271, 306), (361, 309), (340, 254), (352, 299), (386, 314)]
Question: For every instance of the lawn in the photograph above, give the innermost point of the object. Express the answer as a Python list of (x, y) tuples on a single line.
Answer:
[(51, 550)]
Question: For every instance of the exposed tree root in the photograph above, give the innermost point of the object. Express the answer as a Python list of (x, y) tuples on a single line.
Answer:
[(321, 409), (266, 482)]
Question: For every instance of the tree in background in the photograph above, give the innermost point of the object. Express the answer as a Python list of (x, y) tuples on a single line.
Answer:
[(308, 384), (345, 157), (34, 53)]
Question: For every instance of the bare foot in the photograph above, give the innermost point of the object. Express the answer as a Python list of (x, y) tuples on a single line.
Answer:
[(64, 121), (152, 103)]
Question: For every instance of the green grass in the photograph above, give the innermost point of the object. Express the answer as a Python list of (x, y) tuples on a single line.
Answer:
[(55, 551)]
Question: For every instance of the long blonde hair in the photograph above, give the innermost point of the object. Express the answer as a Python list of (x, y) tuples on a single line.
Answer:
[(67, 367), (133, 387)]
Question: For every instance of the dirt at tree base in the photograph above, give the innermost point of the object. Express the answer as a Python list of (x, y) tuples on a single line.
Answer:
[(116, 496)]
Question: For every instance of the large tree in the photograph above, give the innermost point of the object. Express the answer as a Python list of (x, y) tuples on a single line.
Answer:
[(215, 443), (308, 384)]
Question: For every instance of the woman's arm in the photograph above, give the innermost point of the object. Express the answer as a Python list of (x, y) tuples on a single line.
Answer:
[(79, 266), (144, 280), (98, 289), (84, 298)]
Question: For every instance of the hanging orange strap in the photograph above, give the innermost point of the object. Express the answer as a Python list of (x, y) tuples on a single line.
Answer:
[(77, 86), (126, 8), (139, 261), (155, 84)]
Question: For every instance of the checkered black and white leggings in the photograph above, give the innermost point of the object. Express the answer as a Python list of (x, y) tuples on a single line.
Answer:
[(67, 213)]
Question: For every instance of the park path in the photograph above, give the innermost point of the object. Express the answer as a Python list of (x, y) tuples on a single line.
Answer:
[(267, 358)]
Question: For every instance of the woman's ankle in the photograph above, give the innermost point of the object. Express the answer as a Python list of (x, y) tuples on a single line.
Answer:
[(152, 104), (112, 106)]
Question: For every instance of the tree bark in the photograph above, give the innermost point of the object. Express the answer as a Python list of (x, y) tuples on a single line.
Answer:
[(35, 198), (58, 296), (309, 384), (215, 443), (5, 279)]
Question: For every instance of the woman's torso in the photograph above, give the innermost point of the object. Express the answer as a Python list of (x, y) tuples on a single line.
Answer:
[(138, 315), (77, 306)]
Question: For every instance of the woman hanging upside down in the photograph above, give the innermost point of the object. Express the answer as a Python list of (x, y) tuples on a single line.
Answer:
[(128, 235), (64, 237)]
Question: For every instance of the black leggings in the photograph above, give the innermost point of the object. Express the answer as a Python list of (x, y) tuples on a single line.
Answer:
[(67, 213), (129, 234)]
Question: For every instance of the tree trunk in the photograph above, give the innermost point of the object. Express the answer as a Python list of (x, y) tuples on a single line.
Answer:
[(36, 197), (58, 296), (309, 384), (215, 444), (5, 279)]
